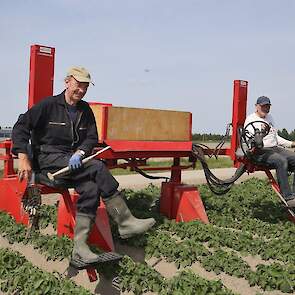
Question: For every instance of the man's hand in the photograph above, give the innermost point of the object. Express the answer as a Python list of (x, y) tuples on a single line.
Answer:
[(75, 161), (24, 167)]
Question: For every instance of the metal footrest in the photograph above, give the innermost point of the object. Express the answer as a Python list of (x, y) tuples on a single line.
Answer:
[(109, 256), (116, 283), (102, 258)]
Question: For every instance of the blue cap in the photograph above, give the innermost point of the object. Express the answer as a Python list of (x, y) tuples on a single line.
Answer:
[(263, 100)]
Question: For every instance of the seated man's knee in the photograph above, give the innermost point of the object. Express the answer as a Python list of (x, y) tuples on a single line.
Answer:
[(97, 165), (280, 162)]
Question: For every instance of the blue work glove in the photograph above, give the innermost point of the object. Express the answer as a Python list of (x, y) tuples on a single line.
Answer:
[(75, 162)]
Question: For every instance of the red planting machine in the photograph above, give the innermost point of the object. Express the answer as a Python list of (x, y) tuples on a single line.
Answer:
[(135, 144)]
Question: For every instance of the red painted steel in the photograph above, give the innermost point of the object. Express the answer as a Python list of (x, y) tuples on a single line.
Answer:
[(149, 146), (182, 202), (101, 232), (100, 103), (92, 275), (41, 73), (176, 171), (190, 206), (238, 114), (166, 199), (7, 158), (12, 192), (110, 154), (177, 196), (164, 168), (66, 214)]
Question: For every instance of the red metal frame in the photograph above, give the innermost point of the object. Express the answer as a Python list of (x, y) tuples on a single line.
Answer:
[(100, 103), (41, 73), (238, 114), (7, 157), (177, 200)]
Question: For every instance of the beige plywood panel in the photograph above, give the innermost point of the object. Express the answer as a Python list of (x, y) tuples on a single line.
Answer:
[(148, 124)]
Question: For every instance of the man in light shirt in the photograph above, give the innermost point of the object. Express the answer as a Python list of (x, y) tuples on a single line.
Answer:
[(273, 152)]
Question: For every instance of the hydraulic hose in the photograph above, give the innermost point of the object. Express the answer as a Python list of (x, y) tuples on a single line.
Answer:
[(218, 186)]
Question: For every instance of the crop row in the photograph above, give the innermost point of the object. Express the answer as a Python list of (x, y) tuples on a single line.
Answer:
[(132, 275), (279, 249), (254, 226), (52, 246), (184, 252), (252, 199), (19, 276), (248, 219), (140, 278)]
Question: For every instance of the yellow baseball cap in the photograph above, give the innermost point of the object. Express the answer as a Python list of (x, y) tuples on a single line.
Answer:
[(80, 74)]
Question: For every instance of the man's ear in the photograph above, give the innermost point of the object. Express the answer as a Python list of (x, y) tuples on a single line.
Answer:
[(67, 80)]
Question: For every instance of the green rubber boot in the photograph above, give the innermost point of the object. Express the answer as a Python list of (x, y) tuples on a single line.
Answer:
[(81, 252), (128, 225)]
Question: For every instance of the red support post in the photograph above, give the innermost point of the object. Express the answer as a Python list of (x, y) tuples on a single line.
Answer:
[(239, 114), (166, 200), (41, 73), (12, 192), (176, 171), (8, 169)]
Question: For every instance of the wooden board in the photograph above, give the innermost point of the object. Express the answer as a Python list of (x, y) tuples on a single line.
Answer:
[(124, 123)]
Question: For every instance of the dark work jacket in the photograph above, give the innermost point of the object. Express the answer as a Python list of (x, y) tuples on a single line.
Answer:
[(50, 129)]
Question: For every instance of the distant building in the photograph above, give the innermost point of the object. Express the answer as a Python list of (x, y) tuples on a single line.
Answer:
[(5, 133)]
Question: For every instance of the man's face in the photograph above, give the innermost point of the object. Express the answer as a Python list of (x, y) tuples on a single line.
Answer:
[(75, 90), (262, 110)]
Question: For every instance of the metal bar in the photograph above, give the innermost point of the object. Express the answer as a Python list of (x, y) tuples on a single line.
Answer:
[(238, 113), (41, 73), (276, 188), (176, 171)]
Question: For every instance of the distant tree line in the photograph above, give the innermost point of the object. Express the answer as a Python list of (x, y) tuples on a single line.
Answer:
[(216, 137), (207, 137), (284, 133)]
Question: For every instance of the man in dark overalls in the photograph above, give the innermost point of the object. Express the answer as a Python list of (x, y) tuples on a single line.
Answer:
[(63, 131)]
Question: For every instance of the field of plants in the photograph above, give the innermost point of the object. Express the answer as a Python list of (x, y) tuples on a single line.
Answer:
[(248, 248)]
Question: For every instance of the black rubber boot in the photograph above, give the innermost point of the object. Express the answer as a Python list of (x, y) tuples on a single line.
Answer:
[(128, 225), (82, 255)]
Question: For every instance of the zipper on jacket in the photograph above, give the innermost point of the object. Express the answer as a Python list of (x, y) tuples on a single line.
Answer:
[(72, 126), (76, 126), (57, 123)]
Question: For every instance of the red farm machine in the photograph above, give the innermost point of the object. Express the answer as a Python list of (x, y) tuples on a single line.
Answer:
[(169, 136)]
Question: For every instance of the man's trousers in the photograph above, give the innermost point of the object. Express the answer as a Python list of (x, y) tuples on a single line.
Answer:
[(90, 182)]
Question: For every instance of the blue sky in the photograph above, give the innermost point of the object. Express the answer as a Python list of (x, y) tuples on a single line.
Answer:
[(193, 50)]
